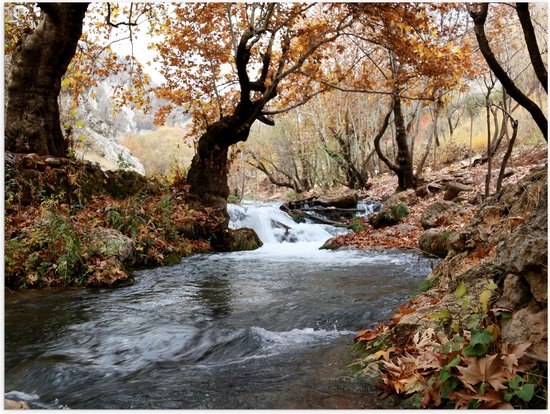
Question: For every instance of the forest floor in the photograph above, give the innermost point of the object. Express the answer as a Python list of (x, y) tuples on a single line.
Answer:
[(406, 236)]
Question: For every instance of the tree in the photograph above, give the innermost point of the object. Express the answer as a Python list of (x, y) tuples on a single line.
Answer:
[(49, 52), (414, 50), (38, 63), (479, 12), (402, 166), (285, 154), (254, 55)]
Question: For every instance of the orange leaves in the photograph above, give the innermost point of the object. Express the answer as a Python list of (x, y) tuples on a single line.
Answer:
[(370, 334), (399, 313)]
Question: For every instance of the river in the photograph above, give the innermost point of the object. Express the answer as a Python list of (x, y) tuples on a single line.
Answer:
[(269, 328)]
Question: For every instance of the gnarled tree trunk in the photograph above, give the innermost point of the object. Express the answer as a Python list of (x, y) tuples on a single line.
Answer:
[(405, 174), (208, 173), (38, 64)]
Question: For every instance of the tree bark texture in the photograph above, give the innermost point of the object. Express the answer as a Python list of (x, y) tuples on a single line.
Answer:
[(522, 10), (38, 64), (478, 12), (207, 176), (405, 175)]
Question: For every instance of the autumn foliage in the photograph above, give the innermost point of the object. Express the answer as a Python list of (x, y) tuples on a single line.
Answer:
[(443, 367)]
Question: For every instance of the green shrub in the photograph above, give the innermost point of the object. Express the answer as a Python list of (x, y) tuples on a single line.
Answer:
[(356, 225)]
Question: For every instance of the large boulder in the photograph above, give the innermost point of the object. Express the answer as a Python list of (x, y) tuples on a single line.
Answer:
[(118, 247), (440, 214), (242, 239)]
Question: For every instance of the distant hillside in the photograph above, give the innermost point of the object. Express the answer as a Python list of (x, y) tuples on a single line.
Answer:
[(105, 135), (161, 150)]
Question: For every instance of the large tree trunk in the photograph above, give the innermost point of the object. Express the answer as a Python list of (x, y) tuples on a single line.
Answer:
[(207, 176), (38, 64), (208, 173)]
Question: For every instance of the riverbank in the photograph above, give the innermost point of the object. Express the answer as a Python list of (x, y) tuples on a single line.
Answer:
[(69, 224), (477, 336)]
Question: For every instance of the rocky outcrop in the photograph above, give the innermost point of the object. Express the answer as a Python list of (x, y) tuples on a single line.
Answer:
[(440, 214), (505, 244), (30, 178)]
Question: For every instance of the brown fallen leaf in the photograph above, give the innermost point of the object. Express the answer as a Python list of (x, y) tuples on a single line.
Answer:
[(488, 369)]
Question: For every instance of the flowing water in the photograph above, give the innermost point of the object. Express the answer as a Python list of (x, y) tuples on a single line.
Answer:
[(269, 328)]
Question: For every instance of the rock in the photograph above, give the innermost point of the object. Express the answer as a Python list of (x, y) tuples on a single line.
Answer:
[(53, 162), (16, 405), (120, 247), (74, 182), (428, 190), (504, 243), (122, 183), (433, 187), (422, 191), (394, 209), (438, 214), (435, 242), (331, 244), (333, 211), (515, 293), (29, 161), (348, 200), (529, 324), (243, 239), (454, 188)]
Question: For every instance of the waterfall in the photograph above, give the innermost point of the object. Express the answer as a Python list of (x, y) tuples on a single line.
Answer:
[(275, 226)]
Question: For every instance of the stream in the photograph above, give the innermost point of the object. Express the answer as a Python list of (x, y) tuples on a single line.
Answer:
[(269, 328)]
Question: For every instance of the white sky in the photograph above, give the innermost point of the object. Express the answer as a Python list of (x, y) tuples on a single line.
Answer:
[(142, 54), (140, 42)]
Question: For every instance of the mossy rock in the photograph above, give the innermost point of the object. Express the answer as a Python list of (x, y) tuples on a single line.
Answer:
[(123, 183), (390, 215), (70, 181), (435, 242), (243, 239)]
